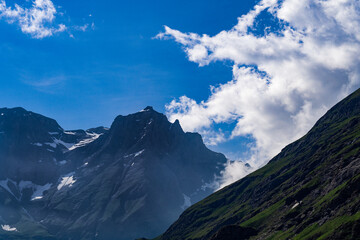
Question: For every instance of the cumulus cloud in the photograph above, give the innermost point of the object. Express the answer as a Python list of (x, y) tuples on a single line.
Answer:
[(284, 78), (38, 20)]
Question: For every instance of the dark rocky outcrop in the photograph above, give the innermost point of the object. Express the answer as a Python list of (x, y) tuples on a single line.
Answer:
[(234, 232)]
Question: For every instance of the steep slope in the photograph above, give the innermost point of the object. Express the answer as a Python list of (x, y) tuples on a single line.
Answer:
[(129, 181), (33, 148), (32, 153), (311, 190), (27, 147)]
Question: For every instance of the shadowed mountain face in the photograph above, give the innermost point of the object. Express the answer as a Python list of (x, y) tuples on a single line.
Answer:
[(311, 190), (25, 146), (33, 147), (129, 181)]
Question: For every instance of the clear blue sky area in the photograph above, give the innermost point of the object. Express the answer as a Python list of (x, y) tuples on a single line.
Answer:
[(116, 67)]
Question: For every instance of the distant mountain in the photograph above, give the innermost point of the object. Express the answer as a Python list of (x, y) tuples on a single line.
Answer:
[(32, 146), (129, 181), (311, 190)]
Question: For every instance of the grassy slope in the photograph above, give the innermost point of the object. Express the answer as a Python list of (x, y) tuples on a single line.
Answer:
[(320, 170)]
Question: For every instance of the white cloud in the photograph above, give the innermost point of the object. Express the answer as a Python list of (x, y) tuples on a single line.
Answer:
[(234, 171), (38, 20), (82, 28), (283, 81)]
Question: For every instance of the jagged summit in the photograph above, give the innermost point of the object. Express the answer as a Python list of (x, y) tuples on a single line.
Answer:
[(148, 108), (145, 129), (176, 126), (140, 122), (141, 116), (149, 163), (101, 183)]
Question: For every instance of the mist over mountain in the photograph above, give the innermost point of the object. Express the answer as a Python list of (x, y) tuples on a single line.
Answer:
[(129, 181), (135, 178), (311, 190)]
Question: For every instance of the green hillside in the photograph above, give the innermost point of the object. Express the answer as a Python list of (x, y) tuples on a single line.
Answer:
[(311, 190)]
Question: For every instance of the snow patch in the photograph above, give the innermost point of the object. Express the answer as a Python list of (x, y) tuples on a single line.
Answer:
[(135, 154), (54, 133), (57, 142), (70, 133), (37, 144), (65, 144), (143, 135), (295, 205), (91, 137), (138, 153), (67, 180), (187, 202), (38, 190), (8, 228)]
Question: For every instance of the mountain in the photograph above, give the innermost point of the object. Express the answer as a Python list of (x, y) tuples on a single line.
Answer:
[(32, 146), (129, 181), (311, 190)]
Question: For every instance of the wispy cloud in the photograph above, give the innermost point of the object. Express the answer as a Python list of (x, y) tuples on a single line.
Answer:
[(46, 84), (37, 20), (283, 80)]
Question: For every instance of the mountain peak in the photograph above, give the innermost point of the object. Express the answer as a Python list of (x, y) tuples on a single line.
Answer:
[(148, 108), (145, 127), (20, 119), (16, 111), (144, 167), (13, 109)]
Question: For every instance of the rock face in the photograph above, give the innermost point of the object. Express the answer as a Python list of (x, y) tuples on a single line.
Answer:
[(26, 146), (311, 190), (126, 182)]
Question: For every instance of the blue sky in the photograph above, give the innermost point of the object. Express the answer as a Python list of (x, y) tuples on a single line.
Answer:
[(116, 67), (275, 66)]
